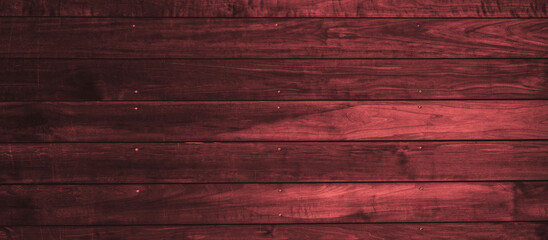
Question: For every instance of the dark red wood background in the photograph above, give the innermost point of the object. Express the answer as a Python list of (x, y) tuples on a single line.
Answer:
[(273, 119)]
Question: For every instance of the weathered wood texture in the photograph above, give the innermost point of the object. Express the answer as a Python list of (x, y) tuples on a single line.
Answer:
[(272, 38), (307, 8), (195, 162), (240, 79), (510, 231), (275, 8), (272, 203), (236, 158), (29, 8), (272, 121)]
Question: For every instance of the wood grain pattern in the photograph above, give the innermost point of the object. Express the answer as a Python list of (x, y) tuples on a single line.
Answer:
[(514, 230), (196, 162), (29, 8), (305, 8), (241, 79), (272, 203), (272, 8), (272, 38), (272, 121)]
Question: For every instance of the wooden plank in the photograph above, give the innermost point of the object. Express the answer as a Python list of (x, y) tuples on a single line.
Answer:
[(70, 80), (195, 162), (272, 203), (272, 38), (506, 230), (272, 8), (272, 121), (29, 8), (305, 8)]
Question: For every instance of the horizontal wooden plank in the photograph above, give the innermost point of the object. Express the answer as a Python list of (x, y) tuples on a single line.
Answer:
[(272, 203), (69, 80), (272, 38), (272, 8), (506, 230), (306, 8), (196, 162), (272, 121)]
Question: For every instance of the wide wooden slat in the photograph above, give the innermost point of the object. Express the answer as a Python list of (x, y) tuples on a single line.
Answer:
[(272, 121), (513, 230), (275, 8), (272, 203), (272, 38), (195, 162), (69, 80)]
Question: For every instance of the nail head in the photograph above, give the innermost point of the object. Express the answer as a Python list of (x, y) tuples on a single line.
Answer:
[(279, 149), (279, 214), (420, 91), (137, 190), (419, 107), (280, 190), (136, 108), (420, 229), (136, 149), (420, 147), (421, 188)]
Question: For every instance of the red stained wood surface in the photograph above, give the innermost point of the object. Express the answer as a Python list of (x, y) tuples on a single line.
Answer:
[(517, 230), (29, 8), (272, 38), (306, 8), (349, 119), (76, 80), (275, 8), (272, 203), (272, 121), (197, 162)]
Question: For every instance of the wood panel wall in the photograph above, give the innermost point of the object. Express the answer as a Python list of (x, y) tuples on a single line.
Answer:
[(273, 119)]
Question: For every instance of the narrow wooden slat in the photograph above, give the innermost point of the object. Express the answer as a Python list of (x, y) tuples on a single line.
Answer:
[(272, 203), (272, 121), (272, 38), (194, 162), (69, 80), (272, 8), (511, 230), (305, 8)]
